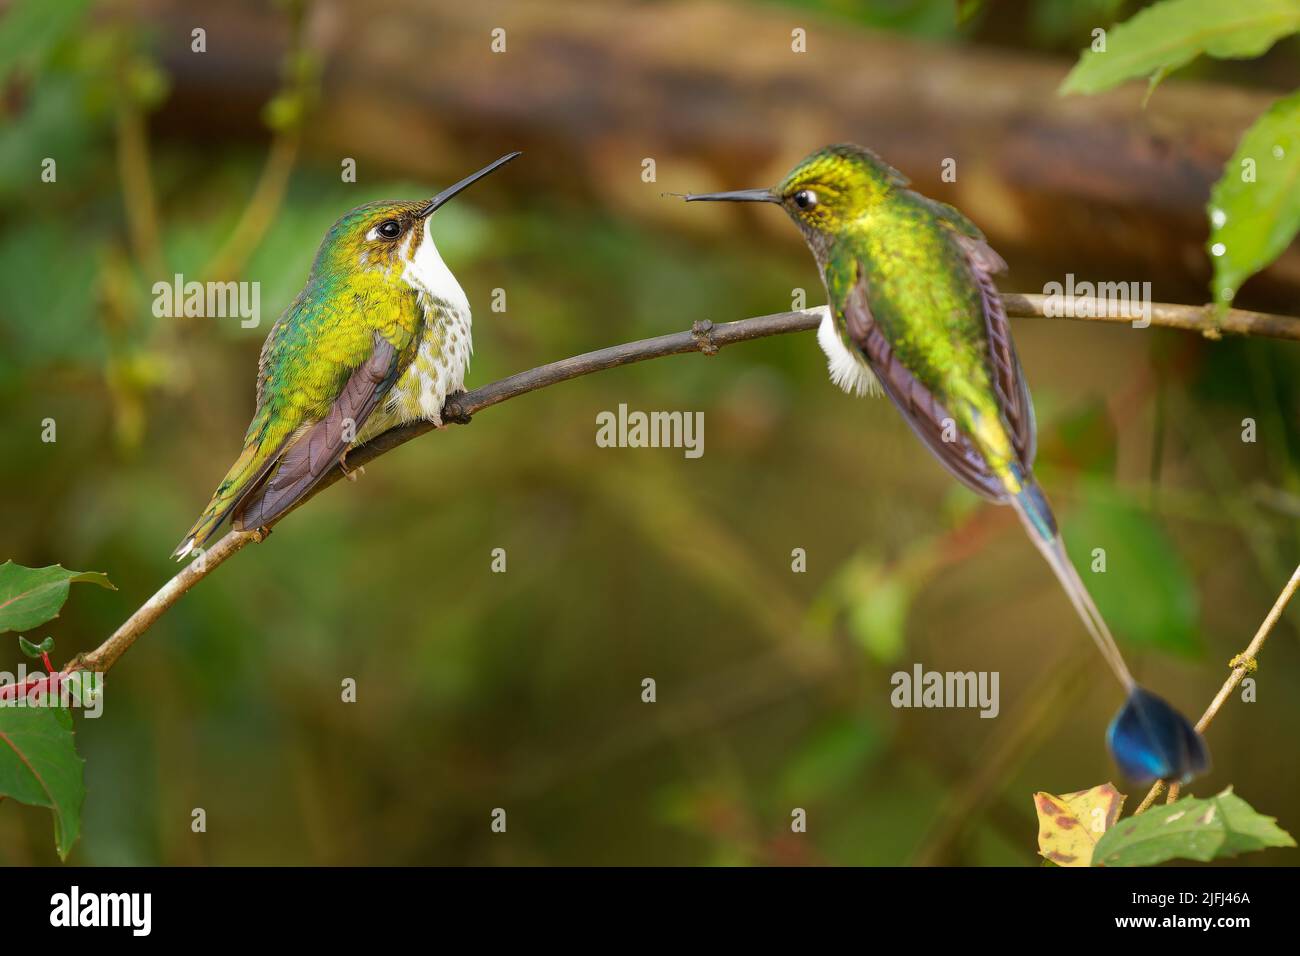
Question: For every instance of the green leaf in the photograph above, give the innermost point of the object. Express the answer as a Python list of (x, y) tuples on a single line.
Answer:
[(31, 596), (1190, 829), (1171, 34), (1255, 208), (39, 765), (35, 650), (1146, 592)]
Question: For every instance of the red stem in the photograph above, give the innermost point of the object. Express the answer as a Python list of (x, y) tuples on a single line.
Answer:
[(51, 683)]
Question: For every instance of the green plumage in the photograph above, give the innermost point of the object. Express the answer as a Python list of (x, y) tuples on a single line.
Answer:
[(328, 330), (353, 293), (914, 308), (919, 263), (379, 336)]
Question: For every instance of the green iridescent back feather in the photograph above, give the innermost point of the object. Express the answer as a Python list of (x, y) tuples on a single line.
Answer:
[(919, 281)]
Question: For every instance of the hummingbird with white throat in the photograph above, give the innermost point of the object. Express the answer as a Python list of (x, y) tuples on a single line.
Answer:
[(914, 313), (378, 337)]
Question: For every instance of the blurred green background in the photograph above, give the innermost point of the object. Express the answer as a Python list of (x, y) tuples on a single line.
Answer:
[(522, 690)]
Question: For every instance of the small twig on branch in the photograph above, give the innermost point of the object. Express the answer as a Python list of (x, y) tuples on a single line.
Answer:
[(1242, 664), (704, 337)]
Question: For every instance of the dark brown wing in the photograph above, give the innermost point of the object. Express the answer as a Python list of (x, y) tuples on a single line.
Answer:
[(920, 408), (1008, 377), (318, 447)]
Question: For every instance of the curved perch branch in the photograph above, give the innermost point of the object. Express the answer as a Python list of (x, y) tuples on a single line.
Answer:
[(703, 337)]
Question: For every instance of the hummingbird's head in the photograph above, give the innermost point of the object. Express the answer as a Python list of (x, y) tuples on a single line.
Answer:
[(827, 191), (389, 234), (379, 236)]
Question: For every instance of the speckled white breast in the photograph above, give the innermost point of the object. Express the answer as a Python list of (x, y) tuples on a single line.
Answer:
[(445, 345)]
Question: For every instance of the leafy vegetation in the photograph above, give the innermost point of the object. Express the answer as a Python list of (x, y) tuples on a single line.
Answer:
[(1212, 828), (39, 763), (1085, 829), (522, 687), (1254, 211), (29, 597)]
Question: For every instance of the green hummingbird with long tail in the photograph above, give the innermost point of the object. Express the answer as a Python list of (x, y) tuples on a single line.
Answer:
[(914, 313), (379, 336)]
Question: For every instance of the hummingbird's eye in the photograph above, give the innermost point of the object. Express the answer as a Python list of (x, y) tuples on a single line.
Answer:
[(390, 229), (805, 199)]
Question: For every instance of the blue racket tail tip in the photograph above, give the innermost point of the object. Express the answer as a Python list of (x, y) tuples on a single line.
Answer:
[(1151, 741)]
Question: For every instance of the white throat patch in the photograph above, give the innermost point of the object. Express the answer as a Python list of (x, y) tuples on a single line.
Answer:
[(426, 271)]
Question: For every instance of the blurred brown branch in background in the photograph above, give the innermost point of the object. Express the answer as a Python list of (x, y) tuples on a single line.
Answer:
[(703, 337), (1110, 182)]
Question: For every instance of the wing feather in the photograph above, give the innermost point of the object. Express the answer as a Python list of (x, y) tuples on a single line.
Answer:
[(921, 410), (1008, 377), (926, 415), (318, 446)]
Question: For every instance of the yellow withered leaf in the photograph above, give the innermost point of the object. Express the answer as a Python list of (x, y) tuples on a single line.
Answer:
[(1070, 825)]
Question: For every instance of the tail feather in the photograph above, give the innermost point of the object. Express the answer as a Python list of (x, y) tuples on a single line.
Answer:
[(1152, 741), (248, 471), (1148, 738), (1037, 517)]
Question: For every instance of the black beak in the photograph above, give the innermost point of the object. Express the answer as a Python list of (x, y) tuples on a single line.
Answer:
[(450, 191), (737, 195)]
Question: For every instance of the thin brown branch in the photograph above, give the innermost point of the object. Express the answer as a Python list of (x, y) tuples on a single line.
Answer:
[(704, 337), (1243, 664), (1205, 319), (106, 655)]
